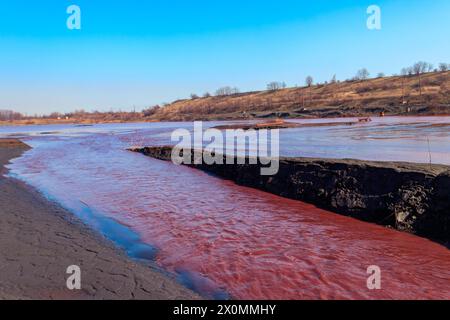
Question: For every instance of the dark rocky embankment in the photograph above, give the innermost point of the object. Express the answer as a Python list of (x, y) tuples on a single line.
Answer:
[(409, 197)]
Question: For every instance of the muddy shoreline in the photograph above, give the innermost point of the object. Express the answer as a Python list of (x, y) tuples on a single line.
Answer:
[(405, 196), (39, 240), (322, 113), (281, 124)]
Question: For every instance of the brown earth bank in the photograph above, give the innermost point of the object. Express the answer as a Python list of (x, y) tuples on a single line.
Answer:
[(39, 240), (406, 196)]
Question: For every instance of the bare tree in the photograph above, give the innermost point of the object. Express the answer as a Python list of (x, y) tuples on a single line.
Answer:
[(362, 74), (420, 67), (227, 91), (309, 82), (9, 115), (194, 96), (55, 115), (274, 86), (206, 95), (443, 67), (235, 90), (381, 75), (333, 79), (223, 91)]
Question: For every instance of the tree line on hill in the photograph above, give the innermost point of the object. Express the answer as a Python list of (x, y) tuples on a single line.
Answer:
[(418, 68)]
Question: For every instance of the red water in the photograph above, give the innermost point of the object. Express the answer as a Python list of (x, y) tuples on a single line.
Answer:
[(227, 239)]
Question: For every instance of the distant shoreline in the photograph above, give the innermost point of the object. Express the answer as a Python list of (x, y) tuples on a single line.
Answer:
[(258, 120)]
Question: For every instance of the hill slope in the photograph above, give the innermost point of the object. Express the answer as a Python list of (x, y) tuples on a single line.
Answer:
[(392, 95)]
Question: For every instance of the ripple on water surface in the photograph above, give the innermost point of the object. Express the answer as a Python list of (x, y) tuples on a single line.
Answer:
[(225, 240)]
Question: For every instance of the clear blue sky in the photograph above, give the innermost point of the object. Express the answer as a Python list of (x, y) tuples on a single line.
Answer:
[(140, 53)]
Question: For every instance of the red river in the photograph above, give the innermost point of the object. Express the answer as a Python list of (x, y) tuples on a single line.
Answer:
[(228, 241)]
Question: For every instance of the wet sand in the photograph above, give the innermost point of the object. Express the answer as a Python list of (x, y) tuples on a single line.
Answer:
[(39, 240)]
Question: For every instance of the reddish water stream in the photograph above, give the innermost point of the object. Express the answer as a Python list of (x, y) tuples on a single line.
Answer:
[(226, 240)]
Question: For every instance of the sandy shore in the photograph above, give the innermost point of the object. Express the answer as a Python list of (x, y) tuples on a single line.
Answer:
[(39, 240)]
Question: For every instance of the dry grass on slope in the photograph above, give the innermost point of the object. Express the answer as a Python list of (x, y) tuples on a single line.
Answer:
[(394, 95)]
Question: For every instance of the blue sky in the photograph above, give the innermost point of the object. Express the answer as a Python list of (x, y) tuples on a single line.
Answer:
[(137, 53)]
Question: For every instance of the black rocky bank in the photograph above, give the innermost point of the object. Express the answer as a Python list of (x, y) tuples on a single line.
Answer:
[(409, 197)]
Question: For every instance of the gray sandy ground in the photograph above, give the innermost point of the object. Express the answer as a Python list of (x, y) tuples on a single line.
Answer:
[(39, 240)]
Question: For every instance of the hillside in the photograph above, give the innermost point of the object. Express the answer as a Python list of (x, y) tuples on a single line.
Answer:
[(398, 95), (391, 95)]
